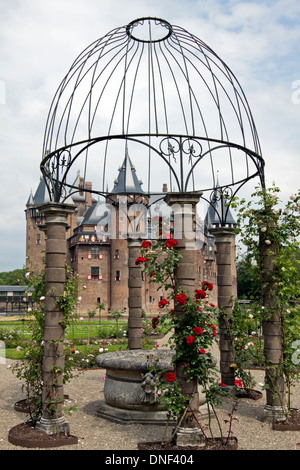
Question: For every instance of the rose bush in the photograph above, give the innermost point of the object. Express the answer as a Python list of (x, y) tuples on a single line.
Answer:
[(30, 370), (264, 221), (194, 330)]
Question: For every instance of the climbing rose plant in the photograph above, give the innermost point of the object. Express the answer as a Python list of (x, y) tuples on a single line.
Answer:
[(265, 216), (30, 370), (194, 330)]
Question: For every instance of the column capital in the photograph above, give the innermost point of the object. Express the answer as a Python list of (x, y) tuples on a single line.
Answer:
[(134, 242), (56, 212), (183, 198), (222, 233)]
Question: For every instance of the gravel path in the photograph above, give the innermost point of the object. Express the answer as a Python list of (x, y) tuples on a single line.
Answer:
[(95, 433)]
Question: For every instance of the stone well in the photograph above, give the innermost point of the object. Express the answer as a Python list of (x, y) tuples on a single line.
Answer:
[(129, 389)]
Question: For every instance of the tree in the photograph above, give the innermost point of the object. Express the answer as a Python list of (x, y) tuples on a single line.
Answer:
[(14, 278), (248, 284)]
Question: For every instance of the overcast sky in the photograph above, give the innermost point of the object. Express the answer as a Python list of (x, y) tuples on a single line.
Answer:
[(258, 40)]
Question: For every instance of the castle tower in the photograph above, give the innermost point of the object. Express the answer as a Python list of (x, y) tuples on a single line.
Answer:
[(129, 201), (97, 240), (35, 236)]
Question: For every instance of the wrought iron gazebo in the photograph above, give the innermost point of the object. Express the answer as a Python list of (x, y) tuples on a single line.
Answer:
[(155, 92), (160, 92)]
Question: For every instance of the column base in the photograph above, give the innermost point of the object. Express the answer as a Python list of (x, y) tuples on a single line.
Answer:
[(53, 426), (189, 437), (273, 412)]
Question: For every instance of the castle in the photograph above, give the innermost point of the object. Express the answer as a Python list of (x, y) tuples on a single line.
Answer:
[(97, 240)]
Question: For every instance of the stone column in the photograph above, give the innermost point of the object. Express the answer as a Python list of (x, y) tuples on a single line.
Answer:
[(56, 224), (134, 295), (183, 206), (271, 323), (227, 291)]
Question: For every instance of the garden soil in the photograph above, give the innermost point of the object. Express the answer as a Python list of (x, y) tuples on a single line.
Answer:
[(95, 433)]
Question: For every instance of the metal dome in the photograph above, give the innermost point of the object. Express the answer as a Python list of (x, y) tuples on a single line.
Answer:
[(161, 93)]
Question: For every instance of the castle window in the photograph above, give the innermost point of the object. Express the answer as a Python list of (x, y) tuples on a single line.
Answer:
[(73, 255), (118, 276), (95, 272), (95, 252), (38, 239), (117, 254)]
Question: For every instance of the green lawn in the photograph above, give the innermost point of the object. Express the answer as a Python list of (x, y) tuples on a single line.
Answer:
[(84, 337), (79, 330)]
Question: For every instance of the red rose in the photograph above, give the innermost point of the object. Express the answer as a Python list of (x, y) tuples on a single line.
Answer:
[(238, 383), (197, 330), (213, 327), (140, 260), (202, 351), (162, 303), (170, 377), (146, 244), (180, 299), (171, 242), (190, 339), (200, 294), (221, 384), (207, 285), (155, 322)]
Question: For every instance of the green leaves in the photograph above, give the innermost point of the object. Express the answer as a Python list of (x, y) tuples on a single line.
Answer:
[(194, 329), (68, 300), (30, 371)]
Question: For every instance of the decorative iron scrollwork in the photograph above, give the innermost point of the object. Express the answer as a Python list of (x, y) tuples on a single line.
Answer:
[(55, 168), (59, 161), (169, 146), (221, 194)]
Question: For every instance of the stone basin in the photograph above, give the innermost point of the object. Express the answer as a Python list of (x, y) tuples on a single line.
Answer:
[(129, 389)]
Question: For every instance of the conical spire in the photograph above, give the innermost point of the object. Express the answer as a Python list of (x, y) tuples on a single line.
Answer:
[(127, 181), (30, 201), (41, 195)]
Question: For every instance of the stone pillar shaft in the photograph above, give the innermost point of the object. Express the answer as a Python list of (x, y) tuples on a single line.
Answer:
[(224, 240), (56, 223), (134, 296), (183, 206), (271, 324)]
